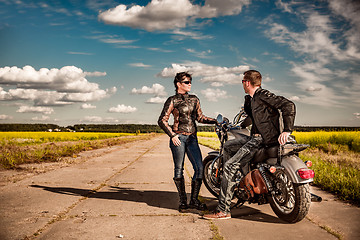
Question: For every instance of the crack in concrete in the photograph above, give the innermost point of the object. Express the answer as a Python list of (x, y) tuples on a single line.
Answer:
[(62, 215)]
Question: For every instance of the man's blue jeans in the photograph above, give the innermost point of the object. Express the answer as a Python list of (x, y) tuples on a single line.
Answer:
[(190, 146), (232, 165)]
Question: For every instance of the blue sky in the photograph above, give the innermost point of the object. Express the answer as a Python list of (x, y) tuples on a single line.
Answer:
[(92, 61)]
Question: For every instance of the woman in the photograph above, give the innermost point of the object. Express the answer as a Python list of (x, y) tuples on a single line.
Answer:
[(185, 109)]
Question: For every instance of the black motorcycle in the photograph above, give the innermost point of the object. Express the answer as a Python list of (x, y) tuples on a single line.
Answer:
[(275, 175)]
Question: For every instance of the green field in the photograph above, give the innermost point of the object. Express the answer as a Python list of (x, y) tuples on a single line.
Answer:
[(335, 157)]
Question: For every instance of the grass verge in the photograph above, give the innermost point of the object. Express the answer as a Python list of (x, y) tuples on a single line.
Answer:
[(12, 155), (337, 169), (335, 174)]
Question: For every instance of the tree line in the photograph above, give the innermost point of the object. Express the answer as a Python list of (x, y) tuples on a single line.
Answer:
[(132, 128)]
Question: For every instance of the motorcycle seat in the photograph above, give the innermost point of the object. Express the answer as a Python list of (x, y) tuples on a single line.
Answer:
[(265, 153)]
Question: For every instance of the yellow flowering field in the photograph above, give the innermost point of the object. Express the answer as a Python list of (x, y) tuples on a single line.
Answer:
[(318, 138), (17, 148), (43, 137), (335, 156)]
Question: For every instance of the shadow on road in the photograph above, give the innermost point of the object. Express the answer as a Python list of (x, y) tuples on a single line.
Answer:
[(246, 213), (162, 199)]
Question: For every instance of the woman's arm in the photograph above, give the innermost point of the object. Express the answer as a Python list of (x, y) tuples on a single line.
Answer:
[(163, 120)]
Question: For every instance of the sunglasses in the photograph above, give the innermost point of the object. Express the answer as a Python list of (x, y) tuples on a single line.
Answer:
[(186, 82)]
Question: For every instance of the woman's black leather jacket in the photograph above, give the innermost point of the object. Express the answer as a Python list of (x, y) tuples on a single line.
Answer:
[(263, 110), (185, 109)]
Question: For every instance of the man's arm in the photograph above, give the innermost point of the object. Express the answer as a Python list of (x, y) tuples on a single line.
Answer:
[(286, 107)]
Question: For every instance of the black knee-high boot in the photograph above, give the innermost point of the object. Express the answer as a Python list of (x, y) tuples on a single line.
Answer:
[(194, 201), (180, 185)]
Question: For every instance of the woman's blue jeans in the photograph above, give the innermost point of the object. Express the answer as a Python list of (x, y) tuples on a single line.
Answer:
[(190, 146)]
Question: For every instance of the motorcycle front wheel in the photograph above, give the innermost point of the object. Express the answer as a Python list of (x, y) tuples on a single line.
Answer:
[(212, 174), (290, 202)]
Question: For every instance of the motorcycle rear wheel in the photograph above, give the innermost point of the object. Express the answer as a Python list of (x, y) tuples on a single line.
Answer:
[(291, 202), (212, 175)]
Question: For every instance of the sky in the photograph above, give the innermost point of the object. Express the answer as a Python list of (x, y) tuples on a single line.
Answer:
[(113, 62)]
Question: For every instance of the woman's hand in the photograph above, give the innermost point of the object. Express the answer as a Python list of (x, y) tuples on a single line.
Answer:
[(283, 138), (176, 141)]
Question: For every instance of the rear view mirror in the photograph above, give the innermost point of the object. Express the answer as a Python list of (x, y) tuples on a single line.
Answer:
[(220, 119)]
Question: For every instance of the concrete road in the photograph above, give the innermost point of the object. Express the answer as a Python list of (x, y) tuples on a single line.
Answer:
[(128, 193)]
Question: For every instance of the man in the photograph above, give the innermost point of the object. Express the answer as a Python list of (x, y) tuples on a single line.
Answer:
[(262, 108)]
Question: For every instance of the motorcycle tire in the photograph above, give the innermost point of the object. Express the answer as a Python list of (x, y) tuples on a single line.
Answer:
[(291, 202), (212, 177)]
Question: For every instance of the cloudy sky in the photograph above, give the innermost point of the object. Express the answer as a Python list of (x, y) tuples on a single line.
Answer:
[(113, 61)]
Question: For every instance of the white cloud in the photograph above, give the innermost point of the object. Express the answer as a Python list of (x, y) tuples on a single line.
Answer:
[(122, 109), (294, 98), (156, 89), (181, 35), (5, 117), (213, 95), (92, 119), (202, 54), (350, 11), (87, 106), (91, 96), (30, 109), (66, 79), (266, 79), (215, 75), (214, 8), (42, 118), (80, 53), (313, 89), (156, 100), (157, 15), (116, 41), (51, 87), (95, 74), (159, 50), (97, 119), (139, 65), (53, 98), (161, 15), (324, 46), (286, 7)]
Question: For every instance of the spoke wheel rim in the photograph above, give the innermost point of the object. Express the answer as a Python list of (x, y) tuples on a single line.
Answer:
[(284, 197)]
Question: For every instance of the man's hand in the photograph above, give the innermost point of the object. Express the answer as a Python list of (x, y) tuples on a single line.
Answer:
[(283, 137), (176, 141)]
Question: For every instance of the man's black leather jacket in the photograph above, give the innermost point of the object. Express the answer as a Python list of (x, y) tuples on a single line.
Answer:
[(263, 110), (185, 109)]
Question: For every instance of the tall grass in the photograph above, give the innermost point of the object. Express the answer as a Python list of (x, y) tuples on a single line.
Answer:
[(16, 149)]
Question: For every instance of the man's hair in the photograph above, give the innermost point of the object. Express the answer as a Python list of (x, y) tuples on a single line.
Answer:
[(180, 77), (254, 77)]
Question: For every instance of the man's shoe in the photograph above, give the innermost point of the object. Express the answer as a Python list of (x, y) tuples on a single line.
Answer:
[(217, 215)]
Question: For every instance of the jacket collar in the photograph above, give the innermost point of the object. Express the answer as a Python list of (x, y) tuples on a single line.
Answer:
[(185, 95), (257, 91)]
